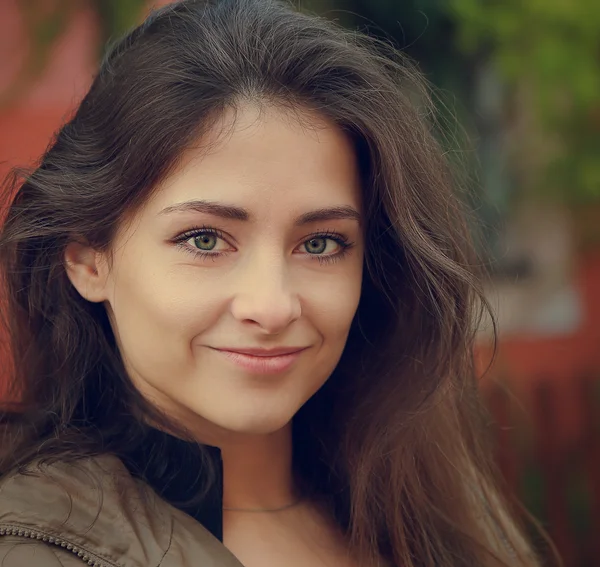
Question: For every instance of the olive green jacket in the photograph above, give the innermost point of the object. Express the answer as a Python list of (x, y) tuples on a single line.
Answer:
[(93, 512)]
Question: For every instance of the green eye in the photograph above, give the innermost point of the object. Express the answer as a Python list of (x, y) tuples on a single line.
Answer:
[(205, 241), (316, 245)]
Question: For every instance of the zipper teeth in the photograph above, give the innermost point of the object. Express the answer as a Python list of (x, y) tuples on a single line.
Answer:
[(85, 556)]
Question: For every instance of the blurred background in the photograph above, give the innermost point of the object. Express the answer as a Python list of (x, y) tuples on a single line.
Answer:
[(518, 88)]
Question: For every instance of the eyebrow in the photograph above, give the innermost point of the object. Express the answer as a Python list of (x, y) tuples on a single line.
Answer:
[(232, 212), (329, 213), (210, 208)]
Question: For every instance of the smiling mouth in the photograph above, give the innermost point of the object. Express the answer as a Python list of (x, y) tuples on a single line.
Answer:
[(280, 351), (263, 361)]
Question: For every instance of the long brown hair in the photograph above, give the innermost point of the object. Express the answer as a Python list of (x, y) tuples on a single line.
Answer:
[(393, 444)]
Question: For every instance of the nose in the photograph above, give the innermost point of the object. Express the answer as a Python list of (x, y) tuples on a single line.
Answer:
[(264, 297)]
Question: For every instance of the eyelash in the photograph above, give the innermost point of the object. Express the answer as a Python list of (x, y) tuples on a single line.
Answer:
[(340, 239)]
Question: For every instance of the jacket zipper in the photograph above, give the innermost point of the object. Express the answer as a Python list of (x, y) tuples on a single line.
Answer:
[(85, 556)]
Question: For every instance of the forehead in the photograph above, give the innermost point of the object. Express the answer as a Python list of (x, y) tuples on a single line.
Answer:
[(267, 159)]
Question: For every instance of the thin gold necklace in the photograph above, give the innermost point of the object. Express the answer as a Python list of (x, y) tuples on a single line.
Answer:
[(255, 510)]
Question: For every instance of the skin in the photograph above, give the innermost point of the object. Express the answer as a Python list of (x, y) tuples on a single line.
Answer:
[(267, 281)]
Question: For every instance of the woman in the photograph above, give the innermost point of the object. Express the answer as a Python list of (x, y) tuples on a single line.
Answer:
[(241, 303)]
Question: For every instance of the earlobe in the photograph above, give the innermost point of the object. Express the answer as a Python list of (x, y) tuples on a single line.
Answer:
[(87, 271)]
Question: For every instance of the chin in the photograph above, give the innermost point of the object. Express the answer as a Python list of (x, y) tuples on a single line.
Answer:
[(258, 426), (252, 423), (243, 415)]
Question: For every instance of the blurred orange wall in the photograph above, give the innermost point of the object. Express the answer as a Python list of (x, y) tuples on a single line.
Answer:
[(27, 124)]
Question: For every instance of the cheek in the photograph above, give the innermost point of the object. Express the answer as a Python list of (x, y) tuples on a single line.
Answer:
[(332, 303), (155, 309)]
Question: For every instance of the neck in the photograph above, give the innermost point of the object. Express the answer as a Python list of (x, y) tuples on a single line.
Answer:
[(257, 471)]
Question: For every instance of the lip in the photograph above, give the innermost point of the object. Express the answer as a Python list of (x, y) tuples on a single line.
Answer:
[(261, 360), (280, 351)]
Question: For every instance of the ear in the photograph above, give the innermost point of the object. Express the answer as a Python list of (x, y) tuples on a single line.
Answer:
[(88, 271)]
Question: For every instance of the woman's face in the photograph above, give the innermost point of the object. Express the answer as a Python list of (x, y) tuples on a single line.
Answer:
[(232, 291)]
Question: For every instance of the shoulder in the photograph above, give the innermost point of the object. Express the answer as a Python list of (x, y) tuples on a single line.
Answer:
[(18, 552), (82, 471), (88, 509), (35, 480), (60, 493), (93, 511)]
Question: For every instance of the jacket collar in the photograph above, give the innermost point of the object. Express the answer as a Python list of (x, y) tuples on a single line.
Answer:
[(185, 474)]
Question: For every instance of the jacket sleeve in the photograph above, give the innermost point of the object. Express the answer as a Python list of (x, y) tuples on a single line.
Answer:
[(17, 552)]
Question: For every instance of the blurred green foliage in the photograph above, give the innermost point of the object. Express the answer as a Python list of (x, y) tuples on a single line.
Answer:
[(44, 25), (45, 22), (116, 17), (549, 52)]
